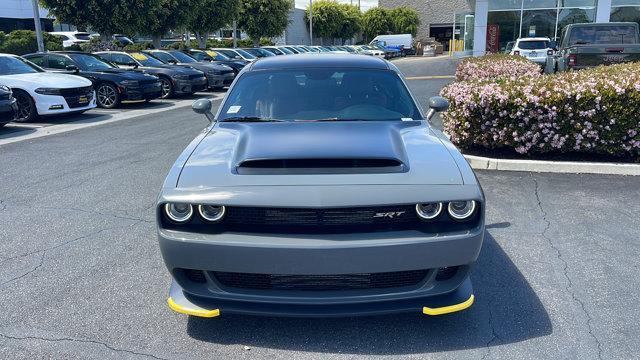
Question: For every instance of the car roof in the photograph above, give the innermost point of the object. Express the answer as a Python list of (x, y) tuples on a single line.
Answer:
[(320, 60)]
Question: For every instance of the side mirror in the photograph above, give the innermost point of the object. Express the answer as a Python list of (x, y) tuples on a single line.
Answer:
[(72, 68), (437, 104), (203, 107), (133, 64)]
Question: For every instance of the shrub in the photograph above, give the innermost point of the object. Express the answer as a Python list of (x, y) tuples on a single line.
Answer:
[(20, 42), (590, 111), (496, 66), (96, 44), (138, 46)]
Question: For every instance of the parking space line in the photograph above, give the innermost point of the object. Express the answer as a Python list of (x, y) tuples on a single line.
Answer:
[(98, 119)]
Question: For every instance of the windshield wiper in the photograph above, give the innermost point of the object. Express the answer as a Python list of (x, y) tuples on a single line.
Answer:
[(249, 119)]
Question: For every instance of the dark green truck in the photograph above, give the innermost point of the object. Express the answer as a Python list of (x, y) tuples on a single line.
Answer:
[(588, 45)]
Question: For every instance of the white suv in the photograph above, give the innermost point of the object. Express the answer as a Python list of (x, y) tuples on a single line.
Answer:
[(70, 38), (535, 49)]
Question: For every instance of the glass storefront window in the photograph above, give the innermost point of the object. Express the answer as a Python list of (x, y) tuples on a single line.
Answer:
[(577, 3), (463, 31), (539, 23), (505, 4), (507, 24), (539, 4), (625, 14), (624, 2), (573, 16)]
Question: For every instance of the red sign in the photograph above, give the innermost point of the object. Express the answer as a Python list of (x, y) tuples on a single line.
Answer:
[(493, 38)]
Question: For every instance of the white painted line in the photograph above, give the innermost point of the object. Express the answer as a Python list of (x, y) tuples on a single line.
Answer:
[(25, 126), (100, 119), (565, 167)]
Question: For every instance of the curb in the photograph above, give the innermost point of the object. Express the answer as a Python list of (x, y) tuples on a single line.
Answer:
[(564, 167)]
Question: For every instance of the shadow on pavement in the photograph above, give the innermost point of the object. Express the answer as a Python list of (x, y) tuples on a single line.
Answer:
[(505, 306)]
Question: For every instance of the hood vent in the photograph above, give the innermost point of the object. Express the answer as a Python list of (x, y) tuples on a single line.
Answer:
[(320, 166)]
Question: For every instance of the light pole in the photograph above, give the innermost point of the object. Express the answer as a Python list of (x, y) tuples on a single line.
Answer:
[(311, 22), (36, 20)]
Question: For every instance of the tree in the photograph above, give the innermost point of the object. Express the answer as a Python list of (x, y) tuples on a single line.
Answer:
[(211, 15), (104, 16), (161, 16), (327, 18), (351, 23), (404, 20), (376, 21), (264, 18)]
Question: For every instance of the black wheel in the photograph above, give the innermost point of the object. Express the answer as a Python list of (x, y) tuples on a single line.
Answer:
[(26, 107), (167, 88), (107, 96)]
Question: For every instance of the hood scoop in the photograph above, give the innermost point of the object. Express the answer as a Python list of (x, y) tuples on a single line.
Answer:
[(319, 148)]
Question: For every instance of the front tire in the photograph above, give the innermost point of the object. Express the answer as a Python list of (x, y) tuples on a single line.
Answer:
[(107, 96), (167, 88), (27, 111)]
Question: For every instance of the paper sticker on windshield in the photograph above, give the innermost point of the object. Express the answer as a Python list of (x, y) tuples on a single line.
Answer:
[(139, 57), (212, 53), (233, 109)]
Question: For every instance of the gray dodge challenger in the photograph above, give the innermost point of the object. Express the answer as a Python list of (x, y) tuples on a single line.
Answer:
[(320, 189)]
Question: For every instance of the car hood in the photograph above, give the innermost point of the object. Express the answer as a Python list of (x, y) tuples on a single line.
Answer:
[(319, 153), (123, 74), (45, 79)]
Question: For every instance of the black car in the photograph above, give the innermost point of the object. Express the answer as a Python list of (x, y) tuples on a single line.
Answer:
[(8, 107), (217, 57), (175, 80), (113, 85), (259, 52), (217, 75)]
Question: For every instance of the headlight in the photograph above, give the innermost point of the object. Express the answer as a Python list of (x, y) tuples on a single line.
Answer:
[(48, 91), (462, 210), (129, 83), (429, 211), (178, 212), (211, 213)]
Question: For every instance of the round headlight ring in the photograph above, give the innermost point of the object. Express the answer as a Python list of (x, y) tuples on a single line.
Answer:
[(464, 213), (177, 214), (202, 210), (426, 214)]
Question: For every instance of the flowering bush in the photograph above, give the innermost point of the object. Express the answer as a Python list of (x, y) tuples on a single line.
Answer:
[(590, 111), (496, 66)]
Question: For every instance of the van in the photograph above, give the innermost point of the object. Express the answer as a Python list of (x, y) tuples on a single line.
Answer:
[(402, 42)]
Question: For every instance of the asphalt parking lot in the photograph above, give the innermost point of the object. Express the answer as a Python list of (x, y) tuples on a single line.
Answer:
[(81, 274)]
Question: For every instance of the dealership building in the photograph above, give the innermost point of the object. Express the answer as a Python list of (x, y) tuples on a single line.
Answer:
[(488, 25)]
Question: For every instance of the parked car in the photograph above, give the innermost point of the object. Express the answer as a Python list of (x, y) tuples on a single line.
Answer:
[(70, 38), (218, 58), (369, 50), (535, 49), (401, 42), (336, 50), (283, 49), (509, 47), (311, 49), (218, 75), (258, 52), (274, 50), (389, 53), (320, 189), (175, 80), (592, 44), (238, 54), (8, 105), (41, 93), (292, 49), (122, 40), (112, 85)]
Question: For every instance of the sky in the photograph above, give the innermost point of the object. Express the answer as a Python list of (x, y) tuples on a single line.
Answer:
[(364, 4)]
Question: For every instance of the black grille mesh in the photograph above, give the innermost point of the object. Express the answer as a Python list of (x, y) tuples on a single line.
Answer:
[(320, 282)]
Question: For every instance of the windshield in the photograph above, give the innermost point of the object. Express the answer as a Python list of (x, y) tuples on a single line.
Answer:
[(182, 57), (162, 56), (10, 65), (89, 63), (533, 44), (245, 54), (146, 60), (83, 36), (217, 55), (618, 34), (320, 94), (228, 53), (286, 50)]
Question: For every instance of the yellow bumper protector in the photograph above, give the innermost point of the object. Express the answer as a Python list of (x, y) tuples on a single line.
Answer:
[(195, 312), (448, 309)]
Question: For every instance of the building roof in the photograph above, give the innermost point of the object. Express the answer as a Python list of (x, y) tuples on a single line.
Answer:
[(319, 61)]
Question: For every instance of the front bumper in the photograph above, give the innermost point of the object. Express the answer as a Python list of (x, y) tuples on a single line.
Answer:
[(320, 255), (218, 81), (8, 109), (190, 86), (54, 104), (144, 92)]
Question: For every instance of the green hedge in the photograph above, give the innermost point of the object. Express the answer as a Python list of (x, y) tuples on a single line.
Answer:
[(20, 42), (590, 111)]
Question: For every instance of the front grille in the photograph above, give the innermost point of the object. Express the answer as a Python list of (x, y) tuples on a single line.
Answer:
[(321, 282), (446, 273), (321, 220), (76, 91)]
